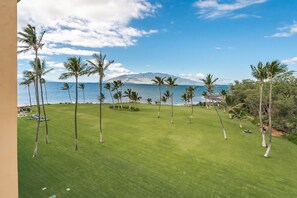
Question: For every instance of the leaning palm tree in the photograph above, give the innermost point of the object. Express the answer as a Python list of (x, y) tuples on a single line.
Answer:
[(259, 72), (27, 82), (190, 92), (67, 87), (209, 84), (275, 68), (76, 68), (159, 81), (170, 83), (82, 87), (32, 41), (98, 67), (40, 70), (108, 87)]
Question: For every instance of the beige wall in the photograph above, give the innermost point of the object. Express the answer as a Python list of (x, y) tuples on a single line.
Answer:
[(8, 100)]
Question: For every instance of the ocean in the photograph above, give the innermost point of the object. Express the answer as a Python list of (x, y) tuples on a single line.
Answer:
[(56, 95)]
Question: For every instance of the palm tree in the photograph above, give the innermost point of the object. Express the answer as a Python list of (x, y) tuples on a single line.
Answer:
[(166, 96), (204, 94), (209, 84), (135, 97), (117, 96), (128, 94), (43, 81), (67, 87), (237, 111), (75, 68), (170, 83), (82, 87), (273, 69), (190, 92), (149, 100), (159, 81), (120, 85), (27, 82), (164, 99), (102, 98), (108, 87), (223, 101), (40, 71), (115, 87), (98, 67), (32, 41), (184, 98), (260, 74)]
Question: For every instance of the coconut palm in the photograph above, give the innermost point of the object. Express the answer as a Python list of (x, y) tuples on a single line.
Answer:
[(67, 87), (259, 72), (31, 41), (273, 69), (101, 98), (204, 94), (108, 87), (27, 82), (170, 83), (120, 86), (184, 98), (149, 100), (135, 97), (209, 84), (166, 96), (98, 67), (40, 71), (159, 81), (237, 111), (164, 99), (75, 68), (115, 87), (117, 96), (82, 87), (43, 81), (190, 92), (128, 94)]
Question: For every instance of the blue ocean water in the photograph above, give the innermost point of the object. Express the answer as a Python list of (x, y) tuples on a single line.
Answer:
[(56, 95)]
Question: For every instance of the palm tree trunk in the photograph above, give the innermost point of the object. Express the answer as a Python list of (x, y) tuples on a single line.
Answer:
[(69, 95), (269, 120), (100, 135), (225, 135), (191, 117), (171, 107), (29, 92), (46, 93), (84, 95), (44, 113), (75, 113), (260, 115), (160, 102), (111, 99), (38, 108)]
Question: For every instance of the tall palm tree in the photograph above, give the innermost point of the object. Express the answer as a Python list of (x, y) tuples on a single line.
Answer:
[(76, 68), (43, 81), (273, 69), (32, 41), (259, 72), (204, 94), (27, 82), (67, 87), (98, 67), (209, 84), (40, 70), (159, 81), (108, 87), (82, 87), (190, 91), (170, 83)]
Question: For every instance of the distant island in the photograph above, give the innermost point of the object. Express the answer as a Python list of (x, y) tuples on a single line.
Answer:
[(146, 78)]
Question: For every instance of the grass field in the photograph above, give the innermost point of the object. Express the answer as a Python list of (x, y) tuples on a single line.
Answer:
[(144, 156)]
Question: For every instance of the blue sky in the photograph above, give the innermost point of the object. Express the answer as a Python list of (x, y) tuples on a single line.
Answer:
[(184, 38)]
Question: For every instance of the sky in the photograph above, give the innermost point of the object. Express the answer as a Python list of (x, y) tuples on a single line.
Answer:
[(184, 38)]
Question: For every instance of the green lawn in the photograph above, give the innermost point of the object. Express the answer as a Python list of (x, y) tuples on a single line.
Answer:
[(144, 156)]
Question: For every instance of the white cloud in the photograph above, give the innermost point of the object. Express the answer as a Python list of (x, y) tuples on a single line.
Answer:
[(195, 77), (117, 69), (211, 9), (291, 61), (86, 23), (286, 31), (243, 16)]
